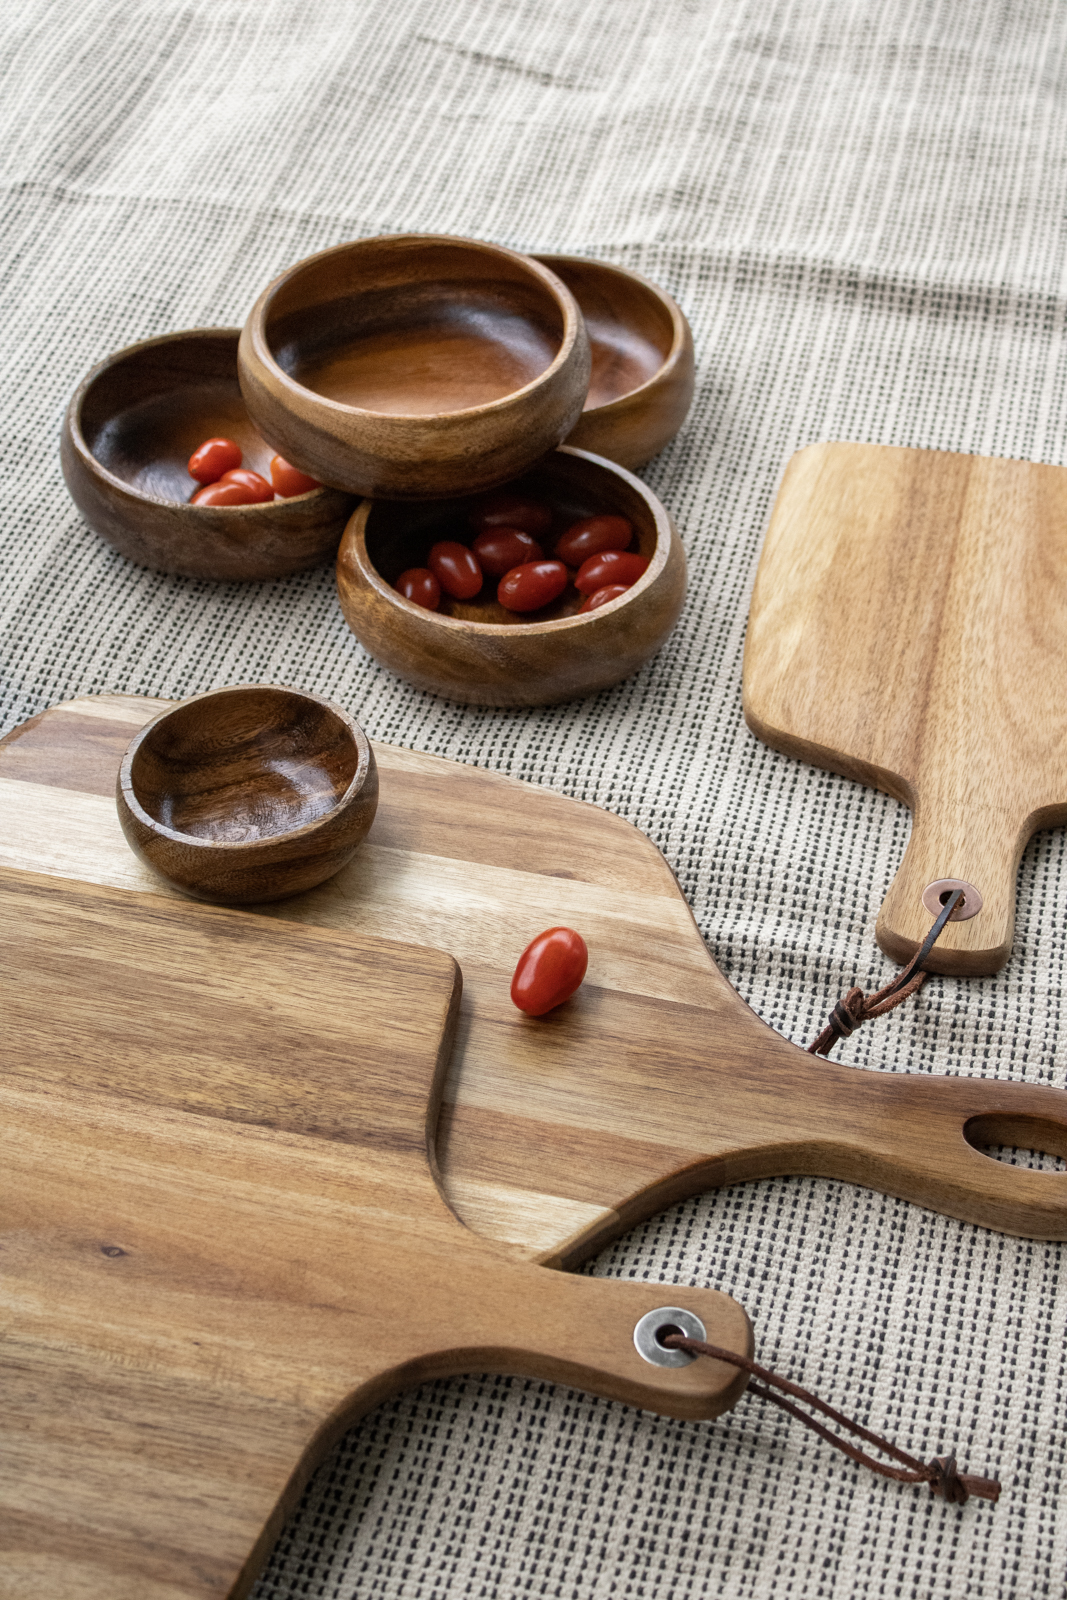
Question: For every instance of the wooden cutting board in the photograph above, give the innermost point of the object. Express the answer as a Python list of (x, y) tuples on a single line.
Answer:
[(908, 629), (223, 1240), (655, 1082)]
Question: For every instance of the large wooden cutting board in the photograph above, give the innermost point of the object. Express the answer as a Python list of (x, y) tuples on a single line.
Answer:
[(909, 629), (223, 1241), (655, 1082)]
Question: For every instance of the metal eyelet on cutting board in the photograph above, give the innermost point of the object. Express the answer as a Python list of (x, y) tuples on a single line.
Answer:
[(664, 1320), (935, 894)]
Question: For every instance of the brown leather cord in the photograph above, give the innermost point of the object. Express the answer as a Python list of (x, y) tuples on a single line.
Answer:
[(940, 1473), (856, 1007)]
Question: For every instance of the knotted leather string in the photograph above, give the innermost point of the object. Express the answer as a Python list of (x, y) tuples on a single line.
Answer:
[(856, 1007), (940, 1473)]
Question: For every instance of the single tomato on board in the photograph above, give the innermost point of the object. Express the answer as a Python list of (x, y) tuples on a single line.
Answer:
[(550, 970), (214, 457)]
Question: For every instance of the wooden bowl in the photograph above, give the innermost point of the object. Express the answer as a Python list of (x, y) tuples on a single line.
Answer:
[(415, 365), (128, 433), (248, 794), (642, 348), (475, 651)]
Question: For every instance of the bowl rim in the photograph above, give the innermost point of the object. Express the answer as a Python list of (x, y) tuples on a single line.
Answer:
[(73, 422), (681, 332), (270, 840), (573, 326), (510, 630)]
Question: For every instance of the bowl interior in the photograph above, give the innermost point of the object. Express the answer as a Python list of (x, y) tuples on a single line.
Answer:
[(244, 765), (146, 412), (399, 534), (413, 328), (631, 331)]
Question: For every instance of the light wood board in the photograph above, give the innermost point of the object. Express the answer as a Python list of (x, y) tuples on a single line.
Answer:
[(655, 1082), (909, 629), (223, 1241)]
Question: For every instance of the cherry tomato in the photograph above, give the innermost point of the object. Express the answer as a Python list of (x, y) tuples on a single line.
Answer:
[(610, 566), (500, 549), (600, 597), (590, 536), (549, 971), (258, 487), (419, 585), (531, 586), (506, 509), (224, 494), (213, 458), (289, 480), (455, 568)]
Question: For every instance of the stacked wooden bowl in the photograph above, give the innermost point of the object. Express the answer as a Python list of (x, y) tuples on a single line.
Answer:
[(412, 373)]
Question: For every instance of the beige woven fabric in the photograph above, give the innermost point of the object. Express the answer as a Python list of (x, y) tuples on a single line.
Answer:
[(862, 209)]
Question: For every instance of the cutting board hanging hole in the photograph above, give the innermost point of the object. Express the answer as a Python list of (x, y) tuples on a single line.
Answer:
[(936, 894)]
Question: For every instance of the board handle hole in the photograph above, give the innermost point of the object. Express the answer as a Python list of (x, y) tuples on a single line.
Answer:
[(1035, 1143), (664, 1332)]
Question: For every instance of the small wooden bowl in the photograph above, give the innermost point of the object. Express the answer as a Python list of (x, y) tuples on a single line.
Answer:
[(415, 365), (128, 433), (642, 347), (476, 651), (248, 794)]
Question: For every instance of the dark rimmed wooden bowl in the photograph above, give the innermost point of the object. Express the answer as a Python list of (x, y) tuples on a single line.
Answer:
[(129, 431), (642, 379), (415, 365), (248, 794), (480, 654)]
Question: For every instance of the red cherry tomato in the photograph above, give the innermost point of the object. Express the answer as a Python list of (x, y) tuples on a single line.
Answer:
[(455, 568), (600, 597), (610, 566), (508, 510), (213, 458), (590, 536), (549, 971), (258, 487), (289, 480), (224, 494), (500, 549), (533, 585), (419, 585)]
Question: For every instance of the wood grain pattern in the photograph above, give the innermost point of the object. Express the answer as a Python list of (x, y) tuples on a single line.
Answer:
[(223, 1239), (908, 628), (655, 1082), (415, 365), (478, 653), (129, 431)]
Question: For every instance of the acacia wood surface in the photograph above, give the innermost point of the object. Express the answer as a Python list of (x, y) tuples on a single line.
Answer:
[(908, 629), (479, 653), (655, 1082), (415, 365), (223, 1239), (127, 436), (643, 373), (248, 794)]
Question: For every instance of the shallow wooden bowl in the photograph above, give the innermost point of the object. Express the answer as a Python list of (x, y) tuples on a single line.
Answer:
[(248, 794), (128, 433), (475, 651), (415, 365), (642, 351)]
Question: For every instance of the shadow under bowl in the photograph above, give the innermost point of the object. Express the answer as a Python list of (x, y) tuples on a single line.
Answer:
[(415, 365), (248, 794), (129, 431), (475, 651), (643, 377)]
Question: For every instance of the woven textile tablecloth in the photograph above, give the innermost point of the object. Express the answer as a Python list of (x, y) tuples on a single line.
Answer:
[(863, 210)]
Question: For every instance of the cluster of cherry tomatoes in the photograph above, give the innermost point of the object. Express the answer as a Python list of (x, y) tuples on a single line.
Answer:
[(510, 531), (217, 466)]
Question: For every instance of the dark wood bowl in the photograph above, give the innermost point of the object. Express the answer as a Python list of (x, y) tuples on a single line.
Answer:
[(476, 651), (642, 380), (415, 365), (248, 794), (128, 433)]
